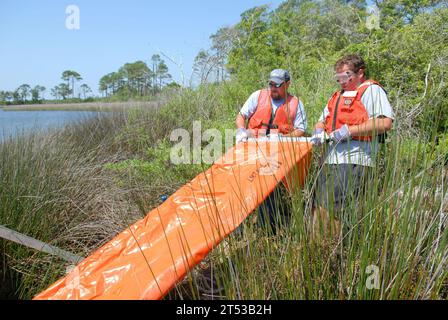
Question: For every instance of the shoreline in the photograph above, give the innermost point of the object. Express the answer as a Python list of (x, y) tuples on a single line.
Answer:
[(83, 106)]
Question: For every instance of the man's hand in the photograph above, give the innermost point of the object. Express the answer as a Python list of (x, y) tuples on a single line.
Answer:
[(318, 137), (241, 135), (342, 134)]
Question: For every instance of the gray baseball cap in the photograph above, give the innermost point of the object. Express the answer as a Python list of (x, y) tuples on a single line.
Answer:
[(279, 75)]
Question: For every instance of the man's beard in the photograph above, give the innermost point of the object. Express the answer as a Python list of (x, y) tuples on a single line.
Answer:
[(275, 95)]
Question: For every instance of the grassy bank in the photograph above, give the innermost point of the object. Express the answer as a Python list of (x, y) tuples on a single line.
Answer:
[(77, 187), (87, 106)]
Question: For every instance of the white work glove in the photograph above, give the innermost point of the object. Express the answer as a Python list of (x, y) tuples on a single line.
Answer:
[(274, 136), (319, 136), (341, 134), (241, 135)]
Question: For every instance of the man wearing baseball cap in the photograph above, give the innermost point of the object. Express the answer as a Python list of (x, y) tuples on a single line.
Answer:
[(272, 111)]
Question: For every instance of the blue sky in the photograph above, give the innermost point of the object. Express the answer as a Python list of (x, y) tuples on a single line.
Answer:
[(36, 46)]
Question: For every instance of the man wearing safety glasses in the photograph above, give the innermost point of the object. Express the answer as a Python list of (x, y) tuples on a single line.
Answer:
[(272, 111), (350, 127)]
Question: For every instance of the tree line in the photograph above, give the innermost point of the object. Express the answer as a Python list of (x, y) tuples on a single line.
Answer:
[(129, 81), (137, 79), (25, 94), (66, 89)]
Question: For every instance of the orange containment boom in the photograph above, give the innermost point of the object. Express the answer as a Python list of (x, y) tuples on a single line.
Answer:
[(146, 260)]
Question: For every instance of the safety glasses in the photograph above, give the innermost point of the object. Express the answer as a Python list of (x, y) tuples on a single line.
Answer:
[(275, 85), (343, 76)]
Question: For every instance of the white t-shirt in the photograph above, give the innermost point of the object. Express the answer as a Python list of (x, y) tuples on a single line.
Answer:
[(250, 107), (355, 151)]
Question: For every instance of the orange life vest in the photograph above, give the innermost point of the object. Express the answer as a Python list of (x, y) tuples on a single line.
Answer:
[(283, 119), (348, 109)]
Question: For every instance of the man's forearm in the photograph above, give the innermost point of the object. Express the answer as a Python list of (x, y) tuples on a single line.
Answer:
[(371, 126), (240, 121)]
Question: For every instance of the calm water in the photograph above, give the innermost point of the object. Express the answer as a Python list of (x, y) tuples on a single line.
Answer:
[(13, 122)]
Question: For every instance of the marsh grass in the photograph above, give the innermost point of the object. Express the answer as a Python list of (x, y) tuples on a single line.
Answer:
[(77, 187), (54, 188), (397, 227)]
